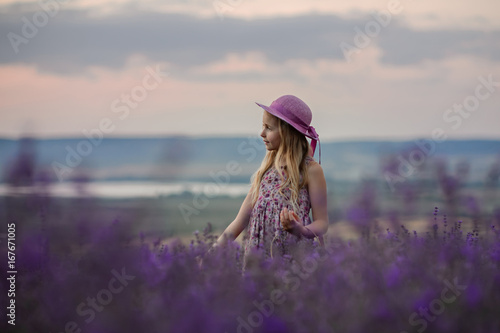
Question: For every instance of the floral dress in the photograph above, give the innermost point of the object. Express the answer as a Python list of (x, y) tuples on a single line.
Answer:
[(264, 229)]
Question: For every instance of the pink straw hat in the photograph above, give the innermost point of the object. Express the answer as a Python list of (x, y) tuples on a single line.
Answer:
[(296, 113)]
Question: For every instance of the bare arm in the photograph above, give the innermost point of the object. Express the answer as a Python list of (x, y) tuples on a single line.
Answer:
[(319, 201), (240, 222), (317, 193)]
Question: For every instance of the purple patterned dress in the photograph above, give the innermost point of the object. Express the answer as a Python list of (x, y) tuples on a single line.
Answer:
[(264, 222)]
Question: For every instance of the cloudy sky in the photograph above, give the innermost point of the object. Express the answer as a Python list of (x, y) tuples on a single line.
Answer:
[(381, 69)]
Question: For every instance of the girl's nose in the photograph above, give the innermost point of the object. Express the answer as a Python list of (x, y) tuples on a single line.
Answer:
[(262, 133)]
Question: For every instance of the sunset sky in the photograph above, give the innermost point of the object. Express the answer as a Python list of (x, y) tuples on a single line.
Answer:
[(89, 63)]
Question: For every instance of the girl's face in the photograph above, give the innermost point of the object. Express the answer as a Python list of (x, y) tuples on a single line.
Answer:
[(270, 131)]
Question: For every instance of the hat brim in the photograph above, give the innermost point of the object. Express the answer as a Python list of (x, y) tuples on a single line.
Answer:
[(278, 114)]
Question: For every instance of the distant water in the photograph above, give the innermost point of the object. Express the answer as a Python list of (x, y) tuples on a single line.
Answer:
[(128, 189)]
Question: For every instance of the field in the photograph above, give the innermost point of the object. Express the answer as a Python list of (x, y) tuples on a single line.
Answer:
[(390, 265)]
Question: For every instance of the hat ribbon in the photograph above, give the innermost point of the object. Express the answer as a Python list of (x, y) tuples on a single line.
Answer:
[(314, 141)]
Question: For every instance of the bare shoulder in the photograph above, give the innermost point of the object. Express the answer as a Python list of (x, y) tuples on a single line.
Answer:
[(314, 169), (312, 165)]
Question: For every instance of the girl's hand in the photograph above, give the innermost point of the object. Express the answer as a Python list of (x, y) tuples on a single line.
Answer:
[(290, 222)]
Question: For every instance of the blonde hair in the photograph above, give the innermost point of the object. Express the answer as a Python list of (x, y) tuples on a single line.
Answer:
[(292, 153)]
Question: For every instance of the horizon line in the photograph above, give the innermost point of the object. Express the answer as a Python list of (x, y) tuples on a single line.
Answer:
[(222, 136)]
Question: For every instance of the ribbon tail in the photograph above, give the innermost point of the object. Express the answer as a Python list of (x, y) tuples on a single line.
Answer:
[(313, 145), (313, 133), (319, 151)]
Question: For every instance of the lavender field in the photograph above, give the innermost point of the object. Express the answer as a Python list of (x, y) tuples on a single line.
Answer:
[(86, 265), (130, 132)]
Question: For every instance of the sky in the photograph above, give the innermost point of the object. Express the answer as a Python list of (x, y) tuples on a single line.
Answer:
[(381, 70)]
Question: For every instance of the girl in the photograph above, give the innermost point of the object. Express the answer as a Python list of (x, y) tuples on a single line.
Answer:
[(286, 186)]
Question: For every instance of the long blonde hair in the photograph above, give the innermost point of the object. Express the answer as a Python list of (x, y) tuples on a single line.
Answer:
[(292, 153)]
